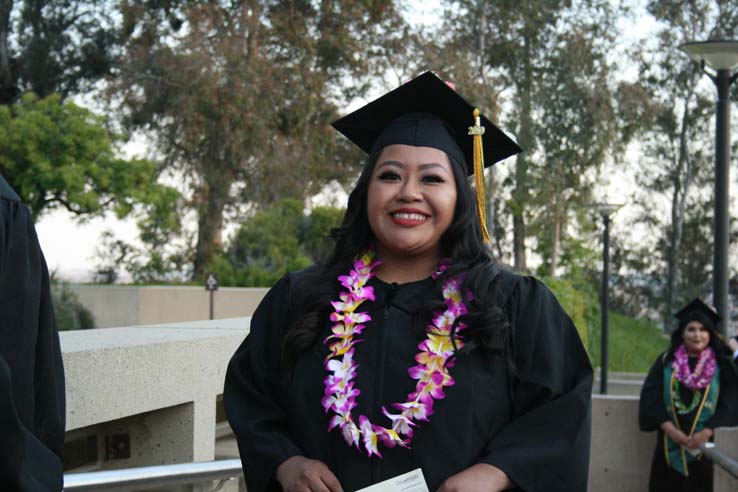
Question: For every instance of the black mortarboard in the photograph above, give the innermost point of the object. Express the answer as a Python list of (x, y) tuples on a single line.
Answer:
[(425, 112), (697, 310)]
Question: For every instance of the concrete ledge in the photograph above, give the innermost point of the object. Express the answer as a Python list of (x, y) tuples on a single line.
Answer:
[(155, 385)]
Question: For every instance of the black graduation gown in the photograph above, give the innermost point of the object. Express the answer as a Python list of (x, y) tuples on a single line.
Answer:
[(652, 413), (32, 404), (535, 427)]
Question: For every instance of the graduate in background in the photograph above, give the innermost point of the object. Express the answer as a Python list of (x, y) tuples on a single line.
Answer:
[(32, 402), (690, 390), (411, 348)]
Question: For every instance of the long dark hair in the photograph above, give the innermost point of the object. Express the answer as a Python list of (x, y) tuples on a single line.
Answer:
[(461, 242)]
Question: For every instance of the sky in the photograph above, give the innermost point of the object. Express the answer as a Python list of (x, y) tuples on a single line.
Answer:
[(70, 247)]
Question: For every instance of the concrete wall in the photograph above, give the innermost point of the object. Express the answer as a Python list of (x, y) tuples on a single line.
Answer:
[(114, 305), (620, 456), (156, 385), (159, 385)]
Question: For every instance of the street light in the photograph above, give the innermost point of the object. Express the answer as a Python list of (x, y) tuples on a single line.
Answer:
[(605, 210), (722, 57)]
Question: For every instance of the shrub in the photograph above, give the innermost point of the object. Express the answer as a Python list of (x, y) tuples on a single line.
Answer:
[(69, 311)]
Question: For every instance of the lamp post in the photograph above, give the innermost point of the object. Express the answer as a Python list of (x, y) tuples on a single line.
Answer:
[(722, 57), (605, 210)]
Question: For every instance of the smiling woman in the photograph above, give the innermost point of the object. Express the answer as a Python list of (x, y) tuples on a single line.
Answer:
[(410, 350), (691, 389)]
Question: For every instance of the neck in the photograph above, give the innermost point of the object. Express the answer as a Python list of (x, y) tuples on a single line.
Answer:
[(402, 269)]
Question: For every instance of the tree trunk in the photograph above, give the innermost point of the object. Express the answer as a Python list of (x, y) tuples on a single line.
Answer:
[(209, 225), (683, 176), (520, 193), (7, 82), (555, 240)]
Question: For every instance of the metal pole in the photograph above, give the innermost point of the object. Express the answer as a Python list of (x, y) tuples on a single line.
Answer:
[(722, 191), (212, 302), (604, 304)]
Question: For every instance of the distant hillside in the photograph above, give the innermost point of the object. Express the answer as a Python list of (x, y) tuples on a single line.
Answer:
[(634, 343)]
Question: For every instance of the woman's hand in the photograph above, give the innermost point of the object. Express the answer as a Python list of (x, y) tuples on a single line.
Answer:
[(699, 437), (675, 434), (477, 478), (300, 474)]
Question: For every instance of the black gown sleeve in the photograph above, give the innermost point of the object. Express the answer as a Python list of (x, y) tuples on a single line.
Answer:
[(545, 448), (651, 407), (251, 393), (26, 463), (726, 411), (32, 399)]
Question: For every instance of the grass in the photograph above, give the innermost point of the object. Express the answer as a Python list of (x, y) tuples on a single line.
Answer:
[(633, 344)]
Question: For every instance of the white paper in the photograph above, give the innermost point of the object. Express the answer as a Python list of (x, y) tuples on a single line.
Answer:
[(413, 481)]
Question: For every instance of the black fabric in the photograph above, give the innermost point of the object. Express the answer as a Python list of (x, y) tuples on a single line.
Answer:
[(663, 478), (535, 426), (428, 99), (652, 413), (32, 392), (697, 310), (26, 464)]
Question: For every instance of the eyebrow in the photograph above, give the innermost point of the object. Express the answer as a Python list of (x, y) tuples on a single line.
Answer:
[(422, 167)]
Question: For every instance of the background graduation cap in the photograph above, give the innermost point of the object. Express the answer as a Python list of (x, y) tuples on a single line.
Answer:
[(697, 310), (427, 112)]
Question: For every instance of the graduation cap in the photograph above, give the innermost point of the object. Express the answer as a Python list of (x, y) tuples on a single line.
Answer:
[(697, 310), (427, 112)]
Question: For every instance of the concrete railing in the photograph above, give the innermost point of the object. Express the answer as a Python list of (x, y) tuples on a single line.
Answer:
[(119, 305), (147, 477), (147, 395)]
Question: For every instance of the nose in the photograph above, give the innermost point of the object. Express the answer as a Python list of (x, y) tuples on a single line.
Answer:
[(410, 191)]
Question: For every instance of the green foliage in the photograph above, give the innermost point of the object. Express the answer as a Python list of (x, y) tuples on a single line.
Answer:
[(69, 312), (274, 241), (239, 98), (545, 67), (580, 302), (316, 229), (58, 154), (675, 126), (633, 343), (50, 46)]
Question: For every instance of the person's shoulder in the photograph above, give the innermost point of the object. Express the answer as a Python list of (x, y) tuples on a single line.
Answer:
[(7, 192), (504, 279), (299, 284), (308, 271), (510, 283)]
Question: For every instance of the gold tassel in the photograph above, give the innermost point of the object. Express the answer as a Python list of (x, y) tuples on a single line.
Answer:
[(476, 132)]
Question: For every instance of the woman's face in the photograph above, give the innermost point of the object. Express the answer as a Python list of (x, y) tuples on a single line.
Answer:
[(411, 199), (696, 337)]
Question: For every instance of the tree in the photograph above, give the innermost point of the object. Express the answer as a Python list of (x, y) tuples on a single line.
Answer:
[(678, 144), (578, 130), (238, 96), (57, 154), (545, 65), (51, 47), (276, 240)]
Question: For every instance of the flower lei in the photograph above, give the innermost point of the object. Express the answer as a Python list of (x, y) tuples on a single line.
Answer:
[(436, 356), (681, 408), (703, 371)]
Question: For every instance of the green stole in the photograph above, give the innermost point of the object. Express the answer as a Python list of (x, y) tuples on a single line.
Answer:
[(676, 457)]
